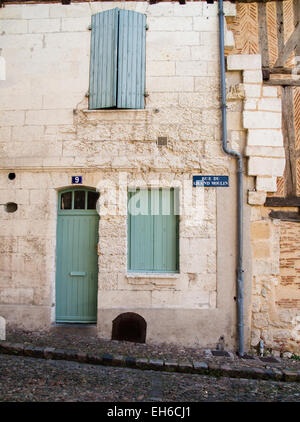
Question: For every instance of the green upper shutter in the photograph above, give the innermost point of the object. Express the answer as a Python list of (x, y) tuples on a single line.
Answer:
[(103, 68), (153, 243), (117, 65), (131, 59), (165, 226)]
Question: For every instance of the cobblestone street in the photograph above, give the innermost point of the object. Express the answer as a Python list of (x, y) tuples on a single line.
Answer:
[(28, 379)]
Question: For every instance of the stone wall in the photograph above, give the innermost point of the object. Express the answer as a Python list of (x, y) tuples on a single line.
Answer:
[(276, 304), (275, 311), (47, 135)]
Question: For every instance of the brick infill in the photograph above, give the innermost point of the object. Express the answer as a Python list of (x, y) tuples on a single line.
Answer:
[(194, 367)]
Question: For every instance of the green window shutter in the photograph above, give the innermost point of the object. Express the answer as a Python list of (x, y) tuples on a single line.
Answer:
[(140, 235), (153, 243), (131, 59), (103, 62), (165, 247)]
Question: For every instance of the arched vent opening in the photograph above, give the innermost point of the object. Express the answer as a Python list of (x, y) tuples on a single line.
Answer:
[(129, 327)]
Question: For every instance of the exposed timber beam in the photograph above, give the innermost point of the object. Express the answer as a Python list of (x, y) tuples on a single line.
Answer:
[(289, 47), (281, 70), (282, 82)]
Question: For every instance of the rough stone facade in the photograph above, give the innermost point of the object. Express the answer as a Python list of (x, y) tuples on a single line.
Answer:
[(275, 306), (47, 135)]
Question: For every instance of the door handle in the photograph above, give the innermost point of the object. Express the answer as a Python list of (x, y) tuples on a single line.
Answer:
[(77, 274)]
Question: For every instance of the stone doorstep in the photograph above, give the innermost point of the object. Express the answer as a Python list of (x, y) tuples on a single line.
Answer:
[(195, 367)]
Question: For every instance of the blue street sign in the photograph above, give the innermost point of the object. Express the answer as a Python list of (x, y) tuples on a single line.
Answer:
[(210, 181), (76, 180)]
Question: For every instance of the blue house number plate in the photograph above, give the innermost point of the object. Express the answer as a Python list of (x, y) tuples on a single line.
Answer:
[(76, 180), (210, 181)]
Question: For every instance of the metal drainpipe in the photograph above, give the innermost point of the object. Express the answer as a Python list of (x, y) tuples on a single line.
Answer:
[(239, 157)]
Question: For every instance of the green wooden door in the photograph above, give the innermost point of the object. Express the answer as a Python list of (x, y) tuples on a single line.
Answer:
[(76, 256)]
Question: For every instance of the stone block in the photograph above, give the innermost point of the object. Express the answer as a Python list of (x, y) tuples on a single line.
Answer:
[(132, 299), (244, 62), (229, 41), (166, 84), (75, 24), (16, 296), (229, 9), (142, 363), (163, 23), (69, 101), (119, 360), (68, 40), (70, 11), (194, 299), (36, 26), (261, 166), (189, 9), (252, 76), (2, 328), (250, 104), (200, 367), (5, 134), (270, 104), (158, 9), (35, 11), (210, 39), (12, 118), (49, 117), (15, 102), (265, 137), (252, 90), (260, 230), (204, 51), (260, 320), (205, 23), (234, 120), (191, 68), (48, 352), (12, 26), (171, 366), (156, 364), (27, 133), (210, 9), (266, 184), (256, 198), (270, 91), (264, 151), (11, 12), (161, 68), (291, 376), (165, 40), (261, 120), (82, 357)]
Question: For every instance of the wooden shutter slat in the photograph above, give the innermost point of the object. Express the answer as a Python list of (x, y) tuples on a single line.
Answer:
[(141, 237), (165, 245), (103, 66), (131, 59)]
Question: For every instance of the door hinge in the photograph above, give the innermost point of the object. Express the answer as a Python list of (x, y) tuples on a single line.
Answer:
[(90, 27), (146, 27)]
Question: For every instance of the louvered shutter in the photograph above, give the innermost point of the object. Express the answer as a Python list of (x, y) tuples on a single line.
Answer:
[(165, 232), (103, 62), (153, 243), (140, 234), (131, 59)]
